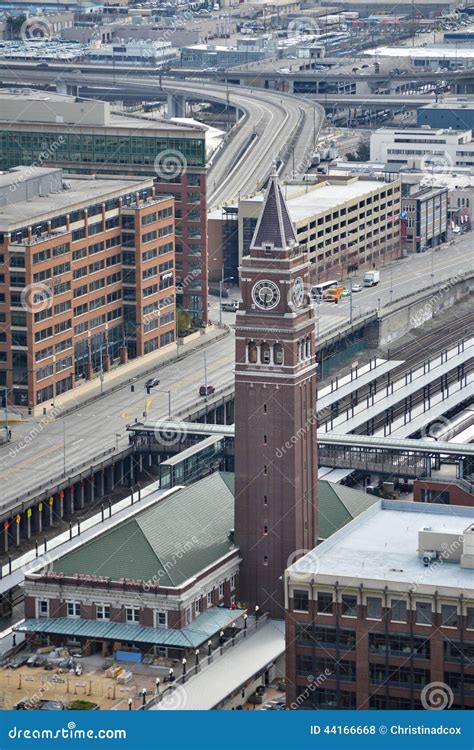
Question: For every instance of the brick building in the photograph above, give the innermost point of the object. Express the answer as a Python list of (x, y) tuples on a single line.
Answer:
[(163, 581), (85, 137), (86, 278), (382, 610)]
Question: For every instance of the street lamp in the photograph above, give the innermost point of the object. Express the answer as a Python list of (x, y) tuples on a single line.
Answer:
[(196, 654), (221, 283), (183, 662)]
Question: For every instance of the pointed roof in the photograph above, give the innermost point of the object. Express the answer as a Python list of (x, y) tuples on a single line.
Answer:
[(274, 225)]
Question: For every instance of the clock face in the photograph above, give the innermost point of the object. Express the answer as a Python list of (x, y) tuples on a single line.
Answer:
[(266, 294), (297, 292)]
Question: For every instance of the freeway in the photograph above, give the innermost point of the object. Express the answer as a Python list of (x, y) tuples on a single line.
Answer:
[(277, 127), (78, 437)]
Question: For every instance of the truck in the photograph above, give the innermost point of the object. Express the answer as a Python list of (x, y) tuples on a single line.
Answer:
[(333, 294), (371, 278)]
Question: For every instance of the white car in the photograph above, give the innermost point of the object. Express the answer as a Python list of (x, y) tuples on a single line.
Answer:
[(356, 288)]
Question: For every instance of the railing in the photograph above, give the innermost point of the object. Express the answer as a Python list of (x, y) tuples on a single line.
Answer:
[(251, 626), (465, 484)]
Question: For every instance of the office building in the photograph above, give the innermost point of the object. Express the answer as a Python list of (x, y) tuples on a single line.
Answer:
[(86, 278), (344, 223), (383, 610), (457, 114), (86, 137), (424, 218), (422, 148)]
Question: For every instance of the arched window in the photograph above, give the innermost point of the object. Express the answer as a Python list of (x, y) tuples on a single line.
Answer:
[(308, 347), (265, 354), (278, 354)]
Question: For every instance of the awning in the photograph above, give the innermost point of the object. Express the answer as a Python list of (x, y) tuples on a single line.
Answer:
[(192, 636)]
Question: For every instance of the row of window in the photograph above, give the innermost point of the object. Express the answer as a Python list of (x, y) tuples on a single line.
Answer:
[(374, 608)]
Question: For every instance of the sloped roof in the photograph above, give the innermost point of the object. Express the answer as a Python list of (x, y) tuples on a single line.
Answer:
[(274, 225), (338, 505), (171, 541)]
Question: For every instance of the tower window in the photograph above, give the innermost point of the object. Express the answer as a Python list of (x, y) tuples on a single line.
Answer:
[(264, 439), (265, 470), (265, 500), (265, 560), (265, 530), (252, 353), (264, 408), (278, 354), (265, 354)]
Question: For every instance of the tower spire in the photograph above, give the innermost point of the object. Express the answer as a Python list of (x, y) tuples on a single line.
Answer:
[(274, 226)]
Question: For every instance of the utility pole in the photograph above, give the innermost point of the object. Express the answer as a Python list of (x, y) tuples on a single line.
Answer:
[(64, 447), (5, 390)]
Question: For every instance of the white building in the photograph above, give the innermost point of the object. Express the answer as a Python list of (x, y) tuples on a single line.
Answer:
[(143, 51), (423, 148)]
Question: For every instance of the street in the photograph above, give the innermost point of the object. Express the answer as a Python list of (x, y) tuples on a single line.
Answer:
[(39, 452)]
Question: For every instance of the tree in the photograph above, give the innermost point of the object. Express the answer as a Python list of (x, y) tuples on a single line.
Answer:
[(185, 323), (362, 153)]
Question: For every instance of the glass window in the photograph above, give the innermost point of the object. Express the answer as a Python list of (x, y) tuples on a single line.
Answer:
[(103, 612), (470, 618), (73, 609), (423, 613), (374, 608), (399, 610), (449, 615), (132, 614), (324, 603), (161, 618), (43, 608), (349, 605), (301, 600)]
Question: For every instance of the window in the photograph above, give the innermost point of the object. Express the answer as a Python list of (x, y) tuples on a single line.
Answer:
[(449, 615), (73, 609), (470, 618), (102, 612), (132, 614), (209, 598), (43, 607), (423, 613), (221, 591), (197, 606), (324, 603), (161, 618), (300, 601), (349, 605), (374, 608), (233, 579), (399, 611)]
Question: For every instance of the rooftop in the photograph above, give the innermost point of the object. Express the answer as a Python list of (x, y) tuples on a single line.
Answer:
[(324, 196), (171, 542), (382, 545), (41, 107), (80, 191)]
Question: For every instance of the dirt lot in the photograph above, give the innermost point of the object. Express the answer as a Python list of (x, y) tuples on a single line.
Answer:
[(33, 683)]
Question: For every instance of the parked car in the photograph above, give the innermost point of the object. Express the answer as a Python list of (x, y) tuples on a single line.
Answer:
[(206, 390), (230, 306), (18, 661), (152, 383), (356, 287)]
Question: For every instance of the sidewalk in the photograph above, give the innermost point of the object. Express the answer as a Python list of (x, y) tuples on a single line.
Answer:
[(90, 390)]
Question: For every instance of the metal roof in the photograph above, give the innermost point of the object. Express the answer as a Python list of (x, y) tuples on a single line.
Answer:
[(192, 636), (188, 452), (171, 542)]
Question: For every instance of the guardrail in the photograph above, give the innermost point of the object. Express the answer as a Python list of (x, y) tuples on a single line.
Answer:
[(250, 626)]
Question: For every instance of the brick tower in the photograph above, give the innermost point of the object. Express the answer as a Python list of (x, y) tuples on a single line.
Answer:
[(276, 468)]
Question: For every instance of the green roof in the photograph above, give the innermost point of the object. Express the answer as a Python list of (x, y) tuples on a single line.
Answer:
[(338, 505), (170, 542), (198, 632)]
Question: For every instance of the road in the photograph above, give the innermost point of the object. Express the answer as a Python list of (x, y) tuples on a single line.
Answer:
[(273, 120), (78, 437)]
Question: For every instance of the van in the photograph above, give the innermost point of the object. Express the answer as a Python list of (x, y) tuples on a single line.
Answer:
[(231, 306)]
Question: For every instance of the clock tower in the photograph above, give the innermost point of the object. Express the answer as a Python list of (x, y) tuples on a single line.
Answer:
[(276, 468)]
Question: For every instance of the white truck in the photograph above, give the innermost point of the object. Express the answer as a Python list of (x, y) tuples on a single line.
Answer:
[(371, 278)]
